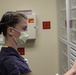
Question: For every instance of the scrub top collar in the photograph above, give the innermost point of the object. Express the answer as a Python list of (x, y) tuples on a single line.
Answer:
[(10, 50)]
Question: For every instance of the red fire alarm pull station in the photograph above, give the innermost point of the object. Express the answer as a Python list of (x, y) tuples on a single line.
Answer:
[(46, 25), (21, 50)]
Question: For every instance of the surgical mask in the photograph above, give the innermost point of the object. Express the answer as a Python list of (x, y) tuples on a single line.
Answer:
[(22, 38)]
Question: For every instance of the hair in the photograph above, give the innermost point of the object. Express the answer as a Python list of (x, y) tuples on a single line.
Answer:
[(10, 19)]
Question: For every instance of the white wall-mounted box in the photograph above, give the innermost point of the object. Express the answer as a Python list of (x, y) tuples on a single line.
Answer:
[(31, 26), (2, 40)]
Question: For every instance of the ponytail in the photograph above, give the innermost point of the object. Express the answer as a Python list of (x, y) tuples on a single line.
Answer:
[(1, 28)]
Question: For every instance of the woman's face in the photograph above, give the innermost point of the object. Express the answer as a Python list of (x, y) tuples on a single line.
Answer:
[(22, 26)]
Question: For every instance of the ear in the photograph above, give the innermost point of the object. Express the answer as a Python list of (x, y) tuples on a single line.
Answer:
[(10, 31)]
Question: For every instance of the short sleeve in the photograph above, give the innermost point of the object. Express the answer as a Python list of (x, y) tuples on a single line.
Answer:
[(11, 67), (23, 66)]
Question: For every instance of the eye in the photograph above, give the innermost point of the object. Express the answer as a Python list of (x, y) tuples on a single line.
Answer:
[(24, 28)]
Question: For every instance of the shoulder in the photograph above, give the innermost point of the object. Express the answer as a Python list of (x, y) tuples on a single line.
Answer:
[(10, 65), (9, 61), (16, 63)]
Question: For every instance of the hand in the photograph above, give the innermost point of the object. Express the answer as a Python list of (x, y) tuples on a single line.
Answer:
[(72, 71), (74, 66)]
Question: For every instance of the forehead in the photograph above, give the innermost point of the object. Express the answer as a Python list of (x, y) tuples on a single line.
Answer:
[(22, 22)]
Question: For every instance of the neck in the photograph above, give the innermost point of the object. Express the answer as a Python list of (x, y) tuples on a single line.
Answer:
[(10, 42)]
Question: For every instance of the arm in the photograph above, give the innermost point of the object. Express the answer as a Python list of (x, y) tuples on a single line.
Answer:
[(16, 67), (72, 71), (11, 67)]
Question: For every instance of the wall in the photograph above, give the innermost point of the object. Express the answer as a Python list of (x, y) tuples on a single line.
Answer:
[(43, 52)]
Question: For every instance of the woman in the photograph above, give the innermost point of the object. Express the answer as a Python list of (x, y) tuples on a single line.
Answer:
[(13, 26)]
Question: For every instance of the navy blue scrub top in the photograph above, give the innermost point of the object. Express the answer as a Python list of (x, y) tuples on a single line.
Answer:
[(12, 63)]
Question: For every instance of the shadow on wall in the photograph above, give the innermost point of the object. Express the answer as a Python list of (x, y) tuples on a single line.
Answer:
[(29, 43)]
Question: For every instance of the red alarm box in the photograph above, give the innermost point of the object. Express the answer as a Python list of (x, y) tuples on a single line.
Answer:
[(21, 50)]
